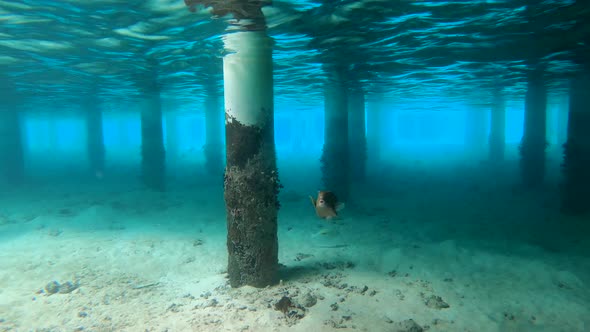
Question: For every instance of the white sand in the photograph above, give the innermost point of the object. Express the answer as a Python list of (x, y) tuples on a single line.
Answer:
[(156, 262)]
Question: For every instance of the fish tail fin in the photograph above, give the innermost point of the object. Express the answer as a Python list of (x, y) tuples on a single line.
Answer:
[(340, 206)]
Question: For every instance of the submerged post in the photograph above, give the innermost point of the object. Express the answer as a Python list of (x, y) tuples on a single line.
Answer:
[(171, 138), (95, 142), (497, 140), (213, 145), (335, 154), (374, 125), (561, 118), (153, 162), (358, 139), (475, 137), (11, 146), (153, 156), (251, 175), (251, 181), (12, 166), (534, 142), (576, 152)]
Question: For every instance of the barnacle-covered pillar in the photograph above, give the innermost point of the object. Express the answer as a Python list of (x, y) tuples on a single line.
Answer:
[(335, 154), (576, 153), (153, 156), (95, 142), (251, 175), (12, 166), (213, 144), (497, 140), (358, 140), (534, 142)]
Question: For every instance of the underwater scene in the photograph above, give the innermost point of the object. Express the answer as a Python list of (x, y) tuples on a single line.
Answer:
[(309, 165)]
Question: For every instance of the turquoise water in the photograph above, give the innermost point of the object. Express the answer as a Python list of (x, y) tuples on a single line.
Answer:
[(435, 216)]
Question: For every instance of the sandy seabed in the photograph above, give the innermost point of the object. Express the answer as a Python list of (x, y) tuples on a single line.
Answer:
[(424, 255)]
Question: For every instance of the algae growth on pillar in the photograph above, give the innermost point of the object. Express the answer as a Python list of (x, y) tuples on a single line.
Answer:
[(534, 142), (576, 150), (335, 154), (251, 175)]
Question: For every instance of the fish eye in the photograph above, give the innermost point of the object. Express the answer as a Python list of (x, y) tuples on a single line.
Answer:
[(321, 201)]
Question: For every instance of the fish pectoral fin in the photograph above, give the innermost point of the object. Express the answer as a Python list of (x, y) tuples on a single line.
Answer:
[(340, 206), (312, 201)]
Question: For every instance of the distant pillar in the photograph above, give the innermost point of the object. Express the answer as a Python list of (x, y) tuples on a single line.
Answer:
[(95, 141), (171, 146), (561, 125), (358, 140), (11, 145), (213, 131), (576, 162), (374, 122), (550, 131), (497, 140), (12, 165), (251, 175), (153, 156), (335, 155), (534, 143), (475, 137)]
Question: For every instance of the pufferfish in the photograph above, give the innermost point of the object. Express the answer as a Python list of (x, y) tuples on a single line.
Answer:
[(326, 205)]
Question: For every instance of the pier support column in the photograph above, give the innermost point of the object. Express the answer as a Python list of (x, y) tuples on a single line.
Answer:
[(534, 143), (358, 140), (95, 141), (576, 152), (497, 140), (11, 146), (153, 156), (335, 154), (213, 144), (171, 138), (12, 165), (374, 122), (251, 176), (561, 118), (475, 138)]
